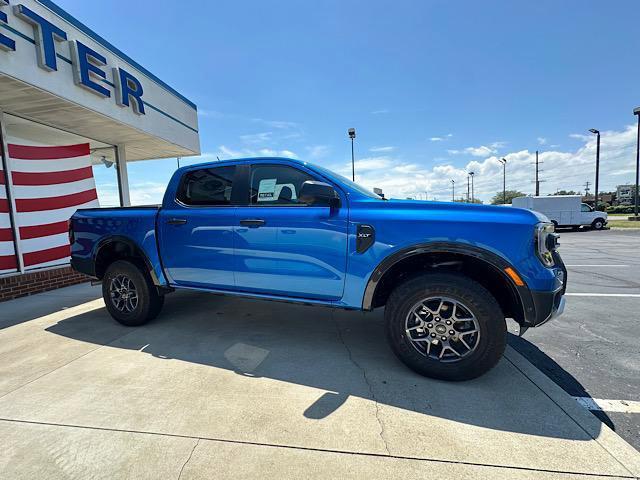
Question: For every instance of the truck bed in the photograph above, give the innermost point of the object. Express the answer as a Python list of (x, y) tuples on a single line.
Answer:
[(133, 226)]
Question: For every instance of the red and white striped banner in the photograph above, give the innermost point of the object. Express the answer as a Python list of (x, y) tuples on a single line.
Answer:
[(7, 252), (49, 185)]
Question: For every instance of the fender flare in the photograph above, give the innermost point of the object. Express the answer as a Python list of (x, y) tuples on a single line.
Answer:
[(523, 293), (103, 242)]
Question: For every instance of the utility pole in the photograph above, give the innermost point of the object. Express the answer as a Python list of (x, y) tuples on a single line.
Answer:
[(468, 187), (636, 111), (586, 188), (472, 193), (504, 180), (537, 177), (596, 132), (453, 190)]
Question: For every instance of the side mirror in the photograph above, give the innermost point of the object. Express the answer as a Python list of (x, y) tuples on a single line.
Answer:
[(318, 194)]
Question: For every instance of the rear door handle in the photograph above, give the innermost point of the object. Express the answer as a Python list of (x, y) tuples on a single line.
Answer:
[(252, 222), (177, 221)]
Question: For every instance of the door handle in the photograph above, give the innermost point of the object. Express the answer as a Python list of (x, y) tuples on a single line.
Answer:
[(177, 221), (252, 222)]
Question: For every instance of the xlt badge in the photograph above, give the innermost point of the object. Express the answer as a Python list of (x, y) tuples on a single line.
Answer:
[(365, 237)]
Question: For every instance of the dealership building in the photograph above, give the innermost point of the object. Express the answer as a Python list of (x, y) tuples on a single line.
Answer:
[(72, 108)]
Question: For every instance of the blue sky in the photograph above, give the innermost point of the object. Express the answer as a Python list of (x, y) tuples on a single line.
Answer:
[(434, 88)]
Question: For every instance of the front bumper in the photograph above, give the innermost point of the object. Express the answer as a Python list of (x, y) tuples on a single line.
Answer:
[(547, 305), (542, 306)]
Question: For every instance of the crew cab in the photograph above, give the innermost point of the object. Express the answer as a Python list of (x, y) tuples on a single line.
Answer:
[(447, 274)]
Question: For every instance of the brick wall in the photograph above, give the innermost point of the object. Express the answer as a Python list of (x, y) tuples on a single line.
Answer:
[(15, 286)]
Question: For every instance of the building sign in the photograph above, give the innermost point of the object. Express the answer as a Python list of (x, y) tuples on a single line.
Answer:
[(89, 66)]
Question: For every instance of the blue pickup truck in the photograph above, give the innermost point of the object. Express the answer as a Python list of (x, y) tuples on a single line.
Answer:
[(447, 274)]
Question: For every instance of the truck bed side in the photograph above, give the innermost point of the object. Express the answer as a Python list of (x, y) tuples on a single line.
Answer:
[(96, 232)]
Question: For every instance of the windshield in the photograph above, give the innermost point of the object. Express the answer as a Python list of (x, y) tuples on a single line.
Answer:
[(348, 183)]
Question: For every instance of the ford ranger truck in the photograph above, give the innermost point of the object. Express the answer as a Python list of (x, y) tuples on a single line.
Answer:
[(447, 274)]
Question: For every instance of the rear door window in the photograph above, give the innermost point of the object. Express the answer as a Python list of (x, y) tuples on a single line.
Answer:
[(207, 187)]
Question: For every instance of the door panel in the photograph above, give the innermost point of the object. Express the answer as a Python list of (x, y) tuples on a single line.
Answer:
[(197, 239), (299, 251), (287, 245), (198, 253)]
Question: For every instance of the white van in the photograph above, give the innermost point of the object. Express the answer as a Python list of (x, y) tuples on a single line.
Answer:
[(564, 210)]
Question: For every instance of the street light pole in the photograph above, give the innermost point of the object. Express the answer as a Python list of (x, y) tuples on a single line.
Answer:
[(453, 190), (596, 132), (504, 180), (468, 186), (352, 135), (636, 111), (473, 197)]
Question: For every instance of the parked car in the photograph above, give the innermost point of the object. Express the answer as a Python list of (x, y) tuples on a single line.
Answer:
[(564, 210), (447, 274)]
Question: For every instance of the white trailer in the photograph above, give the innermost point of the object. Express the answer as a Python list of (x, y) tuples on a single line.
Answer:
[(564, 210)]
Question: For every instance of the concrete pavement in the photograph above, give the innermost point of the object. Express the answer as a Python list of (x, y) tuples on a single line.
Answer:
[(221, 387)]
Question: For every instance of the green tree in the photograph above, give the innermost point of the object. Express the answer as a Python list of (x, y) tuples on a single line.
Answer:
[(565, 192), (511, 194)]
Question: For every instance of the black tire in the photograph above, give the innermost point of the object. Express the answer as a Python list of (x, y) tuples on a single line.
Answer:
[(598, 224), (148, 303), (489, 346)]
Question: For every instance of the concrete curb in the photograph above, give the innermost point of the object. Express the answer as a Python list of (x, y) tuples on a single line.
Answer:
[(610, 441)]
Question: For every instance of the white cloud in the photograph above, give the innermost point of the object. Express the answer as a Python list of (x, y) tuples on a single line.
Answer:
[(441, 139), (203, 112), (317, 151), (226, 153), (480, 151), (542, 141), (579, 136), (254, 138), (381, 149), (567, 170), (379, 112), (371, 163), (279, 124)]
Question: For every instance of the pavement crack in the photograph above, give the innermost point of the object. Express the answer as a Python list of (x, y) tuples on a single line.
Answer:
[(366, 380), (189, 458)]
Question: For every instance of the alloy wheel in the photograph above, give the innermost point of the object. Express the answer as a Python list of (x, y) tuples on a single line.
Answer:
[(123, 293), (442, 328)]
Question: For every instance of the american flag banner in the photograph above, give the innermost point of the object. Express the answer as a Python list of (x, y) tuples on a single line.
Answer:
[(8, 262), (49, 185)]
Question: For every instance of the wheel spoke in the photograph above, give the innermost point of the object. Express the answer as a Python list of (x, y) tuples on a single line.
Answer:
[(464, 342)]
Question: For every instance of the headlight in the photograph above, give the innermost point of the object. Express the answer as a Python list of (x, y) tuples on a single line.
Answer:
[(546, 242)]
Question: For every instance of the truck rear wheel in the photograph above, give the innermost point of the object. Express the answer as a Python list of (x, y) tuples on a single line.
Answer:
[(445, 326), (129, 295)]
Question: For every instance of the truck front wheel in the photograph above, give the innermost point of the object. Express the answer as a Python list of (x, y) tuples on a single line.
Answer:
[(598, 224), (129, 295), (445, 326)]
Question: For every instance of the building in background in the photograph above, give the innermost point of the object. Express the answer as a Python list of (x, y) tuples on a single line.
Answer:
[(72, 106)]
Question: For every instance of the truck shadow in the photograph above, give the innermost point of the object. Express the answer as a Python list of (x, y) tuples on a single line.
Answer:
[(342, 353)]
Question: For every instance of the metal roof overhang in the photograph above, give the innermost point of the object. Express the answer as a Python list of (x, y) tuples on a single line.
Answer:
[(32, 103)]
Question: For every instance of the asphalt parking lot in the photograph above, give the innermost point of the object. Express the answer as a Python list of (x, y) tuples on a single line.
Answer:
[(593, 350), (229, 388)]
